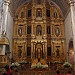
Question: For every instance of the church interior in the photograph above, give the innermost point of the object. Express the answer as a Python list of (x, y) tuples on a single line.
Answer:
[(37, 33)]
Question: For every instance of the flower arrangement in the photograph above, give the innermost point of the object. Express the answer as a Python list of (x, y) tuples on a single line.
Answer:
[(67, 64), (16, 64), (39, 65), (23, 62)]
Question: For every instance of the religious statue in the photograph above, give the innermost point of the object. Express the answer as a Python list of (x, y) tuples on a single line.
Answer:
[(19, 51), (57, 52), (55, 15), (39, 31), (20, 31), (39, 13), (22, 14)]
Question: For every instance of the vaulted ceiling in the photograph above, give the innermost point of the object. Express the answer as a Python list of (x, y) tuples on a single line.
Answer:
[(63, 5)]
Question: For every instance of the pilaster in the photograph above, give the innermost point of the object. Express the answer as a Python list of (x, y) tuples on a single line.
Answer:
[(72, 6), (5, 13)]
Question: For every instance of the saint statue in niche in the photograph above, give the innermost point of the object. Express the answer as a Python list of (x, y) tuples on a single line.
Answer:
[(39, 30), (20, 31), (57, 52), (55, 15), (22, 14), (39, 12), (19, 51)]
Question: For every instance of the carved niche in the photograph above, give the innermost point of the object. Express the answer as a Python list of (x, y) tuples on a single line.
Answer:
[(19, 51), (38, 30), (57, 30), (20, 30), (39, 12)]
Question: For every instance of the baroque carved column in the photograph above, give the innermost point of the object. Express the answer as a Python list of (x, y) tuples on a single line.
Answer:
[(72, 9)]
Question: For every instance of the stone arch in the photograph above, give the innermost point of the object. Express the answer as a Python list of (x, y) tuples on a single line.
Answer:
[(50, 2), (57, 7)]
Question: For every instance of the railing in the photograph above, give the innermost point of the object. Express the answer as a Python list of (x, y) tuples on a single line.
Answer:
[(3, 59)]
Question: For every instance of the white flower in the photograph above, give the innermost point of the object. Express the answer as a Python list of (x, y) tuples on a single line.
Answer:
[(15, 64), (67, 64), (23, 62), (39, 65)]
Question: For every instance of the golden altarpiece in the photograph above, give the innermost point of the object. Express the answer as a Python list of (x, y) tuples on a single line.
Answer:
[(38, 32)]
